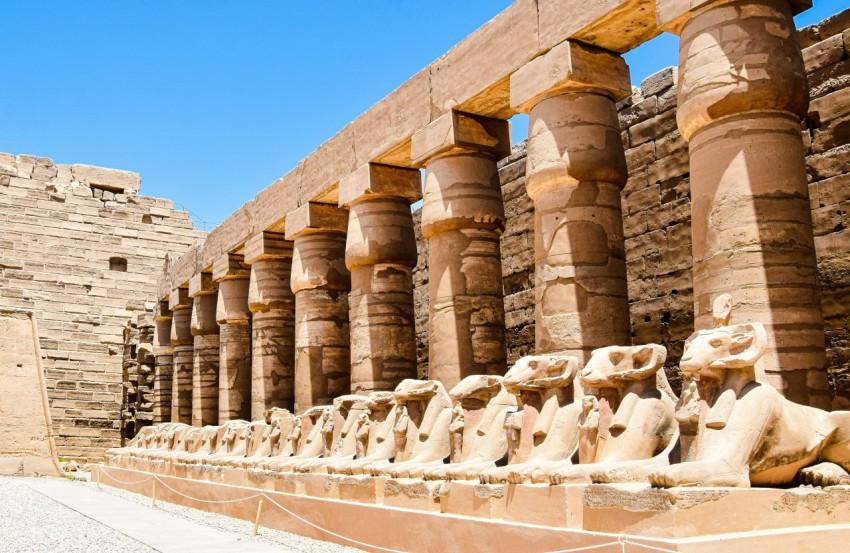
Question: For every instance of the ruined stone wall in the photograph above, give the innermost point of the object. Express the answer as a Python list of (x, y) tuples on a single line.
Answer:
[(138, 375), (82, 249), (656, 214)]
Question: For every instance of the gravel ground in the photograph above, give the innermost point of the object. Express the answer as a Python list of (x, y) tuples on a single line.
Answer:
[(25, 514), (33, 523)]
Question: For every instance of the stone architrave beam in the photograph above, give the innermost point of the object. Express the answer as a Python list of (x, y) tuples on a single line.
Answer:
[(473, 77)]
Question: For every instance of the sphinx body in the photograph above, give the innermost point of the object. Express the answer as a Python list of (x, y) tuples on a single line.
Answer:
[(631, 428), (379, 444), (317, 422), (545, 429), (265, 439), (347, 411), (745, 432), (481, 407), (421, 429)]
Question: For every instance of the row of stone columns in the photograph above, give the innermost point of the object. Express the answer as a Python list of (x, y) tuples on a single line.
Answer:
[(332, 299)]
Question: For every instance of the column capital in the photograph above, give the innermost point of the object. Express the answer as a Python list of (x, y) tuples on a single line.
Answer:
[(162, 311), (673, 14), (202, 284), (230, 266), (179, 298), (569, 67), (316, 217), (374, 179), (459, 132), (267, 245)]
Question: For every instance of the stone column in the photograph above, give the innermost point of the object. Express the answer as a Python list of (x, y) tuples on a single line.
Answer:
[(182, 343), (234, 323), (163, 353), (380, 252), (272, 305), (204, 293), (462, 218), (576, 169), (320, 282), (742, 95)]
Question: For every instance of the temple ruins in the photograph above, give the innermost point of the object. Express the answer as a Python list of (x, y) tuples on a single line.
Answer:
[(629, 330)]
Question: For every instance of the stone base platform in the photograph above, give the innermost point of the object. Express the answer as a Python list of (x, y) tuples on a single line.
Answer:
[(378, 514)]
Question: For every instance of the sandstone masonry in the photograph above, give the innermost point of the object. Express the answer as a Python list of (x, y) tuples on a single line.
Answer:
[(657, 216), (82, 249)]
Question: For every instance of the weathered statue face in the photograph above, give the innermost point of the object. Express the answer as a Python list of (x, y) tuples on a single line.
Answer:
[(541, 372), (613, 366), (476, 390), (415, 390), (708, 353)]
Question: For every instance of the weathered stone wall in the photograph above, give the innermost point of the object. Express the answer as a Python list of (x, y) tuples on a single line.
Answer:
[(82, 250), (656, 211), (139, 362)]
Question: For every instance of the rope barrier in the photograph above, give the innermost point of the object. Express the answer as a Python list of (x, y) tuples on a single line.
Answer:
[(219, 502), (102, 469), (588, 547), (622, 541), (317, 527), (650, 547)]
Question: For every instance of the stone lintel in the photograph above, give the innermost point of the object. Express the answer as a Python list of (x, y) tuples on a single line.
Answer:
[(179, 297), (316, 217), (380, 180), (201, 284), (566, 67), (267, 245), (230, 266), (672, 14), (461, 131), (162, 312)]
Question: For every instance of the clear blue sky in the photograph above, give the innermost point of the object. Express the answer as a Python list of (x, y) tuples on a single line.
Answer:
[(212, 101)]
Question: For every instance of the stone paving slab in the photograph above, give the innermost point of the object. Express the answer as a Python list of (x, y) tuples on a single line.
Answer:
[(158, 530)]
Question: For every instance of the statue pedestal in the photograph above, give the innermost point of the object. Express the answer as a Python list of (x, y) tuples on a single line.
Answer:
[(416, 515), (362, 489), (413, 493), (472, 499)]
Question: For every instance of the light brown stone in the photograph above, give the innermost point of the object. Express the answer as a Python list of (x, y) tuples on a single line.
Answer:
[(748, 189), (272, 305), (164, 368), (233, 318), (26, 443), (320, 282), (462, 217), (205, 354), (576, 166), (381, 253), (570, 66)]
